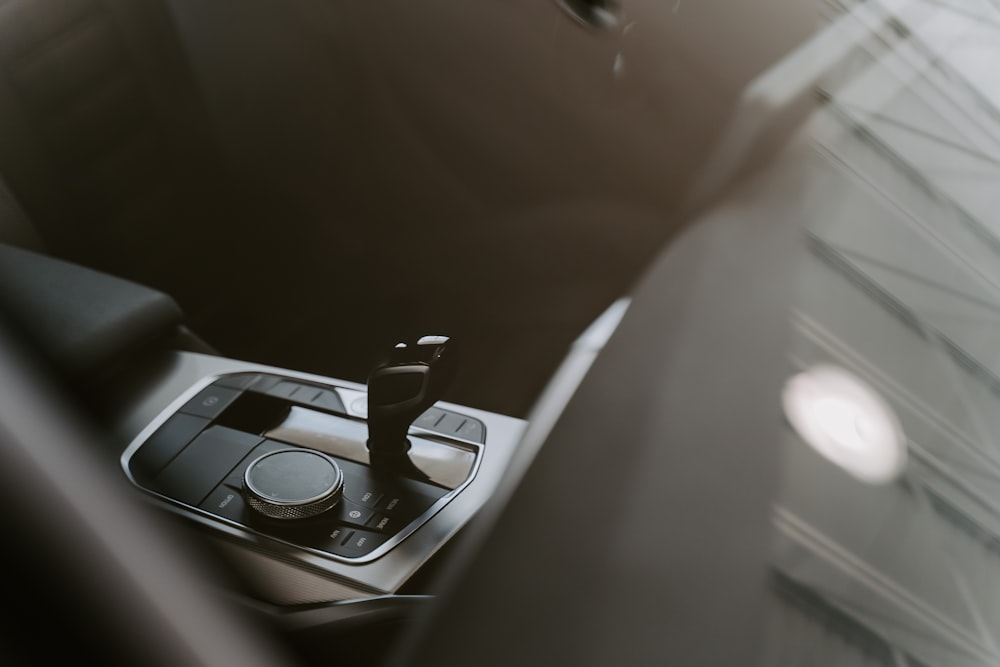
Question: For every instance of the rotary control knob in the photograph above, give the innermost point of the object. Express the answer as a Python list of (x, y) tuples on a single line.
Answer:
[(293, 484)]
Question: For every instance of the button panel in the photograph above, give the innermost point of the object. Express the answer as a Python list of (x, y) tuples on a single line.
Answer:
[(239, 380), (209, 458), (356, 515), (452, 424), (308, 395), (210, 402), (199, 457), (352, 543), (228, 503)]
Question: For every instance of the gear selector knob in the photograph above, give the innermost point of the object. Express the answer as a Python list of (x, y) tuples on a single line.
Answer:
[(401, 388)]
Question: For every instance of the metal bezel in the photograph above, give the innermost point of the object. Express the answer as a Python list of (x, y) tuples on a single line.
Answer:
[(283, 547), (294, 509)]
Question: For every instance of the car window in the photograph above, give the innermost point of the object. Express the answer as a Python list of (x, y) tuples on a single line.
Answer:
[(894, 561)]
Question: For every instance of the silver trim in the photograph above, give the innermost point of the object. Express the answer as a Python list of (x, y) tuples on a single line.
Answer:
[(283, 547), (274, 563), (561, 388)]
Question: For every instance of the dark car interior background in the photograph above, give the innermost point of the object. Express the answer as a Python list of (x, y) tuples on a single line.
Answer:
[(508, 289)]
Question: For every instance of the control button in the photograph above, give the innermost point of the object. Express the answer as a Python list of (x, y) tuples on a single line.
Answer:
[(307, 394), (326, 399), (361, 491), (235, 478), (451, 423), (227, 503), (237, 380), (368, 497), (403, 507), (385, 524), (207, 460), (285, 389), (430, 419), (352, 543), (265, 383), (360, 486), (293, 484), (210, 402), (164, 445), (472, 429), (387, 496), (337, 536), (348, 512)]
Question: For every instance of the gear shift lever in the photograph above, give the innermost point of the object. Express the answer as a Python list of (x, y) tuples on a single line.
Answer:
[(400, 389)]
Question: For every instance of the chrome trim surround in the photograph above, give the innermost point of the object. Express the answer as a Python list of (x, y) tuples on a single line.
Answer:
[(405, 532), (387, 567)]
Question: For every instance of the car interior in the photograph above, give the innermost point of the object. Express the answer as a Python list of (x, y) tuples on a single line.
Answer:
[(499, 332)]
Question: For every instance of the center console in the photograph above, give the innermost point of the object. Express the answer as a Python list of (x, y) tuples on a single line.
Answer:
[(326, 490)]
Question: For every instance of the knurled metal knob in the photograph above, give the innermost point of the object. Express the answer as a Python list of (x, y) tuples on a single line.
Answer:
[(293, 484)]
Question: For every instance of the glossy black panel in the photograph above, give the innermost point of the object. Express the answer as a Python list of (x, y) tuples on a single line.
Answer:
[(165, 444), (203, 463)]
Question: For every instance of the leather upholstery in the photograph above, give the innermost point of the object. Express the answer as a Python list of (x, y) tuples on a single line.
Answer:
[(105, 161), (82, 322)]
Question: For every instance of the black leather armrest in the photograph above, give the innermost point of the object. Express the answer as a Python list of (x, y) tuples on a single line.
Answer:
[(83, 321)]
